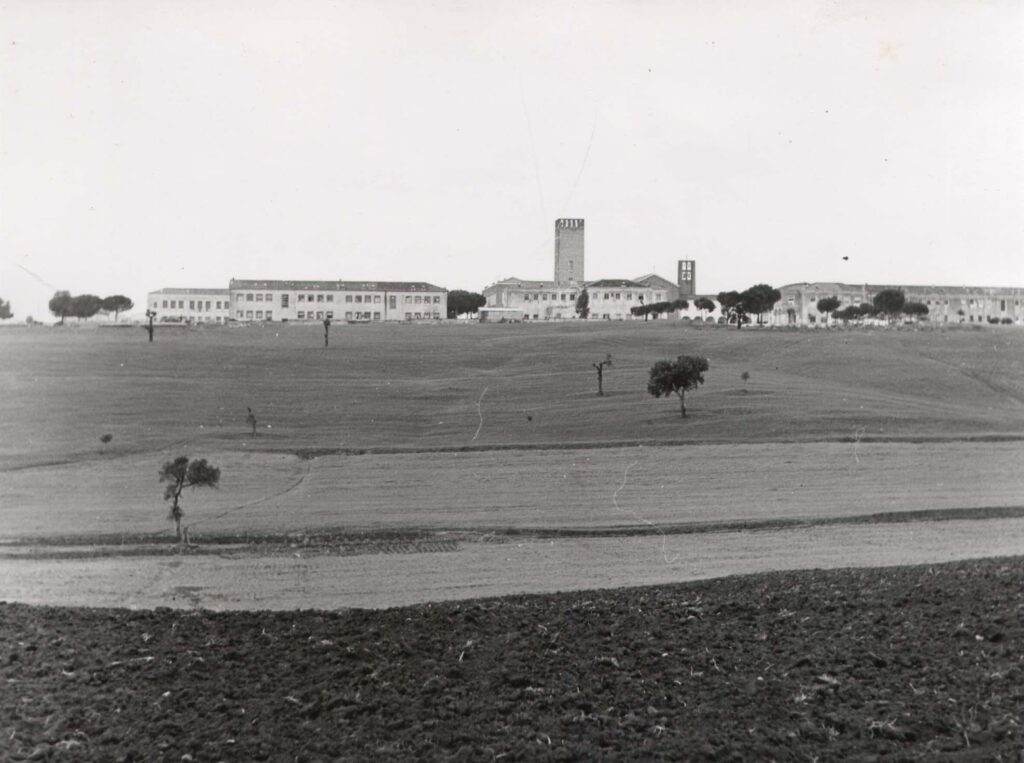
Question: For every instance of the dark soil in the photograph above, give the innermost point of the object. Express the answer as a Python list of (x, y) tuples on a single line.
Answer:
[(903, 663)]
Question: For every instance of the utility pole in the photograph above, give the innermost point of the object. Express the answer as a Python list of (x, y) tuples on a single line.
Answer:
[(150, 314)]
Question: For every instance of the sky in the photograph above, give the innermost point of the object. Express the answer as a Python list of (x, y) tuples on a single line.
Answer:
[(148, 144)]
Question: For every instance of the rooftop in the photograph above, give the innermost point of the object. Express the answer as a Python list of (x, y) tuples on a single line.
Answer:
[(174, 290), (245, 283)]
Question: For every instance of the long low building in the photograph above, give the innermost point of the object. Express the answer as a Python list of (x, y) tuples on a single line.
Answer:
[(946, 304), (248, 300), (610, 298), (190, 305)]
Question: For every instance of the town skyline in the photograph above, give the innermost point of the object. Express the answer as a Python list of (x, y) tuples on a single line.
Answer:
[(150, 146)]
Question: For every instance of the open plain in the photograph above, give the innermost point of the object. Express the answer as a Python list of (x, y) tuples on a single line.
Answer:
[(440, 447), (412, 470)]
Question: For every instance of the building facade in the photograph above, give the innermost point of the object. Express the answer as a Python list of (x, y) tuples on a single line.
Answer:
[(357, 301), (946, 304), (569, 251), (190, 305)]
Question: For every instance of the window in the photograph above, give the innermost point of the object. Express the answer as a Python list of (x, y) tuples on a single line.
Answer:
[(248, 313), (376, 299), (259, 297), (300, 314), (165, 303), (270, 298), (330, 297), (218, 304), (238, 313), (437, 300), (284, 300), (545, 297), (319, 297), (348, 298), (418, 316), (348, 316), (359, 299), (208, 304), (408, 299), (376, 316), (302, 298), (419, 301), (270, 314), (248, 297), (191, 305), (259, 314), (330, 314)]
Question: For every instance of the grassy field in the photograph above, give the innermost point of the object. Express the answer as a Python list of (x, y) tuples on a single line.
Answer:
[(498, 427), (469, 385)]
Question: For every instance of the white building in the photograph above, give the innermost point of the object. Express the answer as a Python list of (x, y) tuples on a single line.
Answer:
[(189, 305), (946, 304), (363, 301)]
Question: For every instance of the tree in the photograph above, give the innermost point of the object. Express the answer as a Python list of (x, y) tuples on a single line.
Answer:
[(828, 305), (916, 310), (733, 307), (462, 302), (5, 310), (180, 474), (607, 362), (677, 376), (889, 302), (85, 306), (760, 299), (704, 304), (583, 305), (116, 304), (60, 305), (848, 313)]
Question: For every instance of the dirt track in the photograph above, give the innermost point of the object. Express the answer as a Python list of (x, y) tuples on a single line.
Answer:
[(467, 569)]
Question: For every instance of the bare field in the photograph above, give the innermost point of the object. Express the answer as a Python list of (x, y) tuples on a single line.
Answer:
[(520, 490), (467, 385), (481, 429), (301, 579)]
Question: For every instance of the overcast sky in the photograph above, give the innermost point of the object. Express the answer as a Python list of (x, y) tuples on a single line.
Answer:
[(149, 144)]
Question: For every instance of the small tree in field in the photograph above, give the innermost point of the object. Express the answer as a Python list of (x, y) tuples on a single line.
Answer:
[(180, 474), (117, 304), (607, 362), (677, 376), (5, 310)]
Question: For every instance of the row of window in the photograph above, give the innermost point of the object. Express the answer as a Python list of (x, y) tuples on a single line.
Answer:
[(571, 296), (350, 298), (268, 315), (193, 304)]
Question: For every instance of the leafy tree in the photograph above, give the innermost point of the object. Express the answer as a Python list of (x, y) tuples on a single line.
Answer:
[(675, 377), (180, 474), (733, 307), (704, 304), (5, 310), (462, 302), (889, 302), (866, 310), (116, 304), (760, 299), (606, 363), (583, 304), (916, 310), (60, 305), (828, 305), (848, 313), (85, 306)]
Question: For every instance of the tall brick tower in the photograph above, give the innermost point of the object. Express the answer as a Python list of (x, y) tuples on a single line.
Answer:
[(686, 278), (568, 250)]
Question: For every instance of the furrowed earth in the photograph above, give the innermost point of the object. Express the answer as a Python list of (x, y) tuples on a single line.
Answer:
[(416, 465)]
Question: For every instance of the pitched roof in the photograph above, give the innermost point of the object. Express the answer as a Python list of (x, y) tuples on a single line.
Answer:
[(615, 283), (174, 290), (834, 286), (245, 283), (646, 279)]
